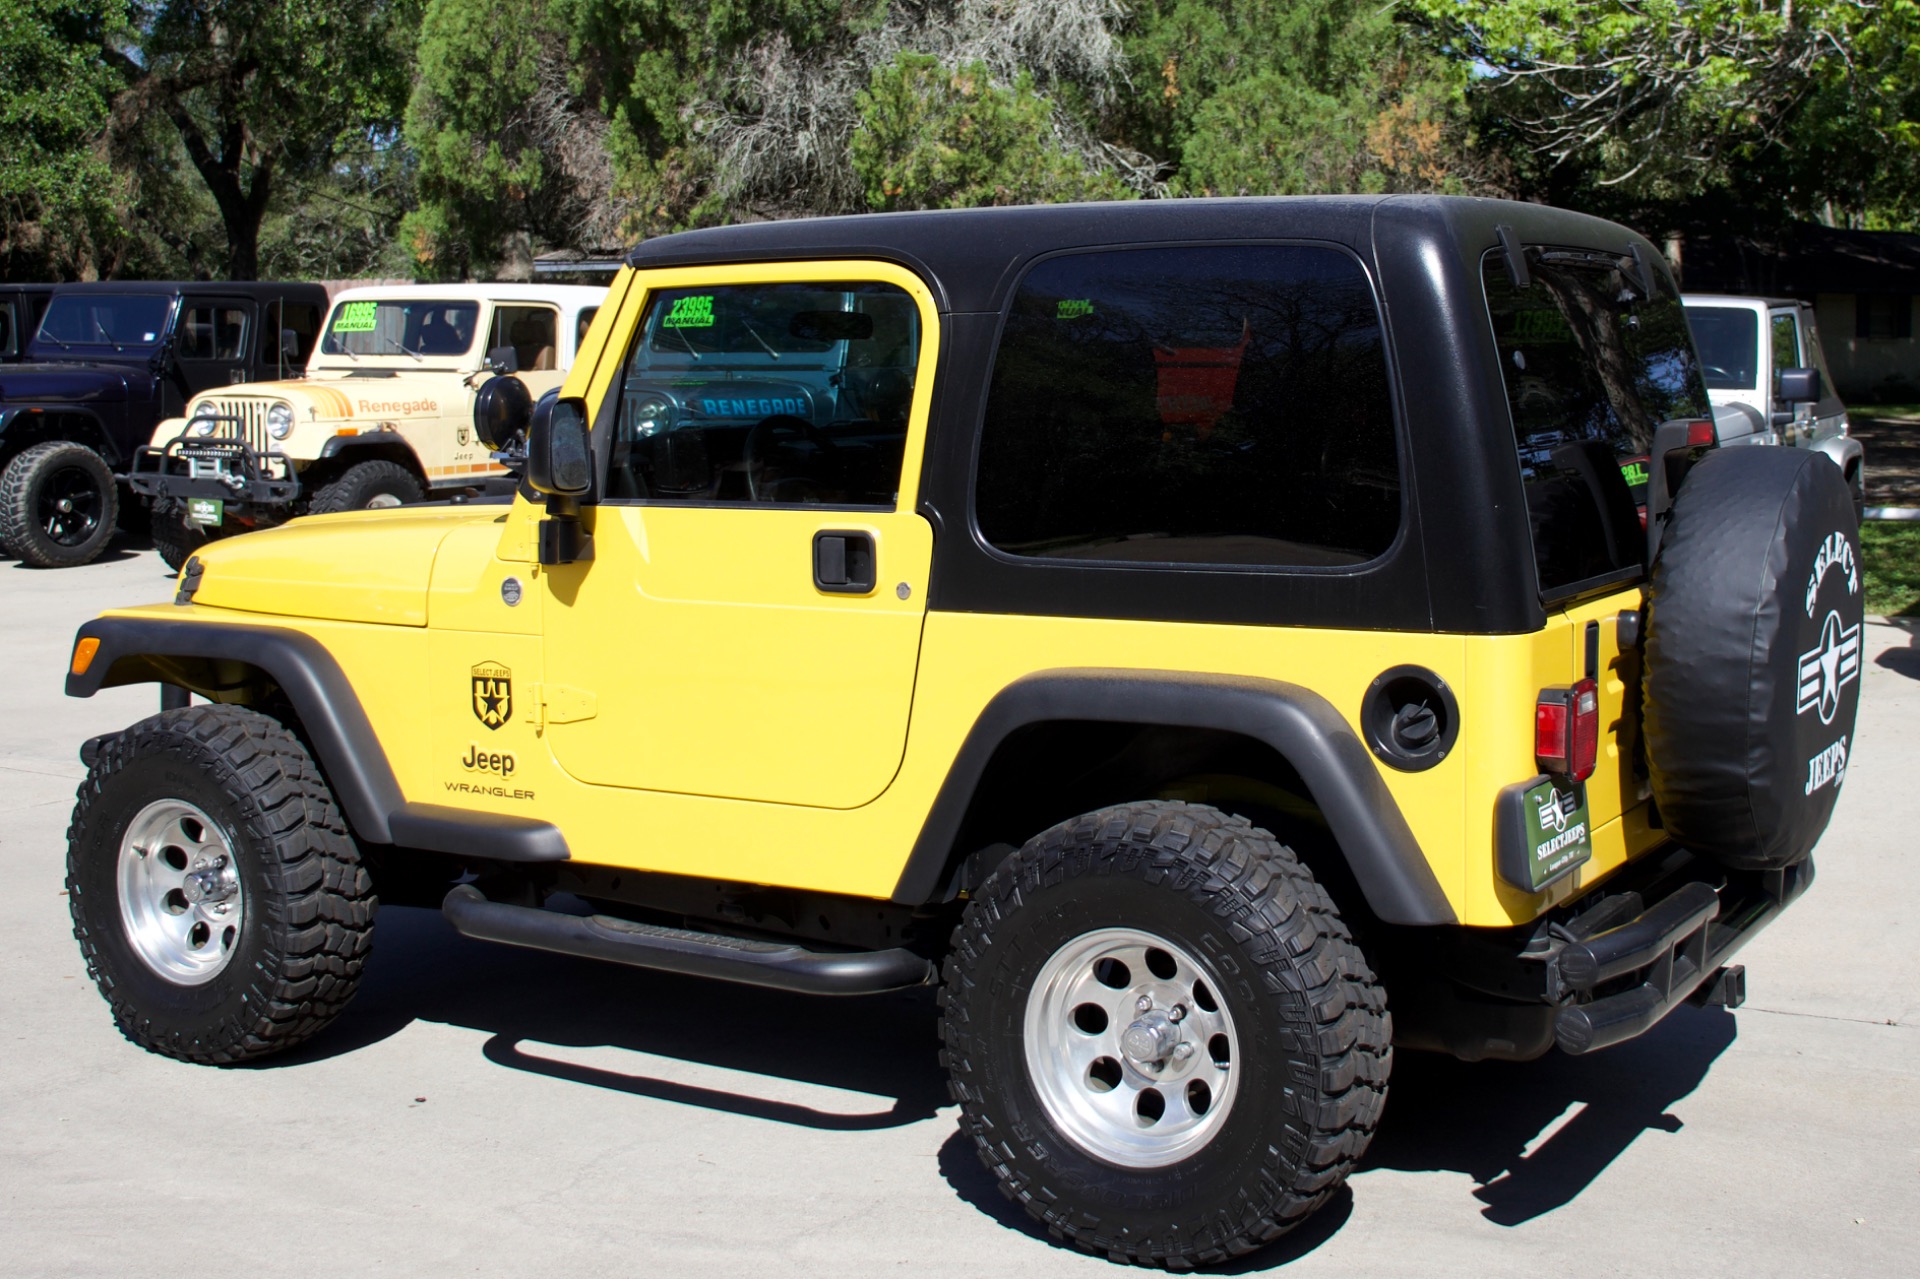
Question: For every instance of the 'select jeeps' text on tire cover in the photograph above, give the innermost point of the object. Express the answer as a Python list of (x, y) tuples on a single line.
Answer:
[(1754, 655)]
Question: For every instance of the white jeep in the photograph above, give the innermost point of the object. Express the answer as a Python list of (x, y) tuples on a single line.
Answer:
[(383, 416)]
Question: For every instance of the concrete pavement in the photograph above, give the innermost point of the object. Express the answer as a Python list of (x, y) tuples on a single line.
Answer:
[(487, 1111)]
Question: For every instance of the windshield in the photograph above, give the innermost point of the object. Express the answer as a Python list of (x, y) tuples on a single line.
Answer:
[(118, 320), (402, 326), (1729, 342)]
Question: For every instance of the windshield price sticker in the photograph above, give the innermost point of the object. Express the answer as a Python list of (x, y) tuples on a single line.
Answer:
[(1558, 838), (690, 313), (356, 317), (206, 512)]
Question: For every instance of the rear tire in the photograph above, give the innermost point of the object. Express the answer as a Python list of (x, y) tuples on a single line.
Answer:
[(1164, 1042), (58, 505), (365, 485), (173, 537), (219, 902)]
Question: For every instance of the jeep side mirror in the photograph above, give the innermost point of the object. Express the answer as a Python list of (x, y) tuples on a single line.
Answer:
[(502, 411), (289, 344), (1799, 386), (560, 465), (503, 359)]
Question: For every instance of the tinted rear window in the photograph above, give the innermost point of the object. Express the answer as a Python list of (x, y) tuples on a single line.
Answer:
[(1220, 405), (1592, 367)]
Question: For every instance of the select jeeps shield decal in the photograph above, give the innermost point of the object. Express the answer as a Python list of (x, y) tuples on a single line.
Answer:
[(492, 694)]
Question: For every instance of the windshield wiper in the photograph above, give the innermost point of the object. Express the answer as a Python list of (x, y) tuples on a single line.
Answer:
[(686, 342), (755, 335), (400, 347)]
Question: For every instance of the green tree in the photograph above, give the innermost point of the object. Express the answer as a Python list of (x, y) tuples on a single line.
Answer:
[(262, 92), (58, 214), (936, 137), (1295, 96), (1646, 108)]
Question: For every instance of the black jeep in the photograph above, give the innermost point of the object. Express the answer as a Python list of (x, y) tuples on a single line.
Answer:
[(105, 364)]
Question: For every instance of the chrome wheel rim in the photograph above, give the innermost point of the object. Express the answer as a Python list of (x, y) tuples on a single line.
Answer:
[(382, 502), (1130, 1048), (181, 902)]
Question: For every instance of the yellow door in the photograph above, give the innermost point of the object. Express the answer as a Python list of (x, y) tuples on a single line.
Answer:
[(749, 625)]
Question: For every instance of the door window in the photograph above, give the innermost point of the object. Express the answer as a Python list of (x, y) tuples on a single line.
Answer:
[(1216, 405), (1728, 338), (770, 394), (213, 331), (9, 344), (531, 331)]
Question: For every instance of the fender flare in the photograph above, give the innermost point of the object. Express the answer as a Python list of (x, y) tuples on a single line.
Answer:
[(24, 425), (348, 749), (1303, 727)]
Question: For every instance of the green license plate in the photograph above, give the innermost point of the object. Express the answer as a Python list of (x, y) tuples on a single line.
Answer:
[(206, 512), (1557, 835)]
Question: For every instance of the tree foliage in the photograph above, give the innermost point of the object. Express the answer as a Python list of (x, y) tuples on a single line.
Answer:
[(1640, 105)]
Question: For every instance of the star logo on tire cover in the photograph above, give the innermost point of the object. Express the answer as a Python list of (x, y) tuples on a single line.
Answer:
[(1828, 667)]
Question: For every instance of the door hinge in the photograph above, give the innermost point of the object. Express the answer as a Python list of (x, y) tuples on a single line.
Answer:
[(560, 704)]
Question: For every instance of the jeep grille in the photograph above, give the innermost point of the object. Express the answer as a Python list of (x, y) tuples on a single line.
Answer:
[(246, 419)]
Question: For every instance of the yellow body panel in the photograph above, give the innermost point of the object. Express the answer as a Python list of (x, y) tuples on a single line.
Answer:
[(687, 701)]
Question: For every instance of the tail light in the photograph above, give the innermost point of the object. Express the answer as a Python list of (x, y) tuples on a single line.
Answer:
[(1566, 730), (1699, 432)]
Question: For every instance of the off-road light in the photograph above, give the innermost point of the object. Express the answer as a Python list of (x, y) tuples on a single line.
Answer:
[(1566, 730), (203, 416), (280, 421)]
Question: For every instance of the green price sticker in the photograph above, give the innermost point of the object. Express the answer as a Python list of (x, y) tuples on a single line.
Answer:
[(690, 313), (355, 317), (1074, 308), (1635, 473)]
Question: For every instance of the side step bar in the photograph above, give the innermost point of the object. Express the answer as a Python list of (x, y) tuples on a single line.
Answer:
[(781, 965)]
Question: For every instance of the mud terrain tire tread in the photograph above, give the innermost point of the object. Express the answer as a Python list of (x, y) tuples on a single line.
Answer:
[(173, 537), (20, 532), (1293, 938), (313, 924), (352, 489)]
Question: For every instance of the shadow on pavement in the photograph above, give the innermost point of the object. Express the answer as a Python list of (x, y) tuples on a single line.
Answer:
[(1536, 1134), (1532, 1135), (1903, 661), (884, 1045)]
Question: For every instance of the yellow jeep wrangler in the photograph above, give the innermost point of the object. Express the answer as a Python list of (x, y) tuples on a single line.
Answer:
[(1215, 642)]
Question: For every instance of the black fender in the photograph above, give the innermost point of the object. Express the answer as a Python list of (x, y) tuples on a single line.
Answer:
[(373, 444), (1299, 724), (149, 650), (24, 425)]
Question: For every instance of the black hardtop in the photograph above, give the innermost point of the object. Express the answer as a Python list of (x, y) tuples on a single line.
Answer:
[(971, 257), (259, 290)]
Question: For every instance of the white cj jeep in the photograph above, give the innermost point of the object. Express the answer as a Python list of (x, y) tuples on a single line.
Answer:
[(383, 417)]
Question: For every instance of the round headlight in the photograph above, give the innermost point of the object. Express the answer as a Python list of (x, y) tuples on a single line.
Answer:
[(280, 421), (202, 423), (650, 416)]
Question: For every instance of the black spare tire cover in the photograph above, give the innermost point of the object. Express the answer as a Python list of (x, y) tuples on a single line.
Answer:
[(1753, 655)]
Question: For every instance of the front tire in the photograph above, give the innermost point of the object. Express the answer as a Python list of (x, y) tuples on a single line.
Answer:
[(1165, 1044), (369, 485), (173, 537), (219, 902), (58, 505)]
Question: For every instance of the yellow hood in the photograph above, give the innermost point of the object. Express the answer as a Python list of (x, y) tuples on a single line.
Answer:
[(358, 566)]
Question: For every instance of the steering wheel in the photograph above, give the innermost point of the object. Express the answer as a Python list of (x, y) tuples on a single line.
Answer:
[(764, 441)]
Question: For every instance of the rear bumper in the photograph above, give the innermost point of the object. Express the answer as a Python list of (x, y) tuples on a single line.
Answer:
[(1620, 969), (1600, 970)]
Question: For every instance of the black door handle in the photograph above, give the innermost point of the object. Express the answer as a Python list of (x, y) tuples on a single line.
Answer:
[(843, 561)]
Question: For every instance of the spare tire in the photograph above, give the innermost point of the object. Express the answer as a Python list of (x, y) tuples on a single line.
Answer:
[(1753, 655)]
